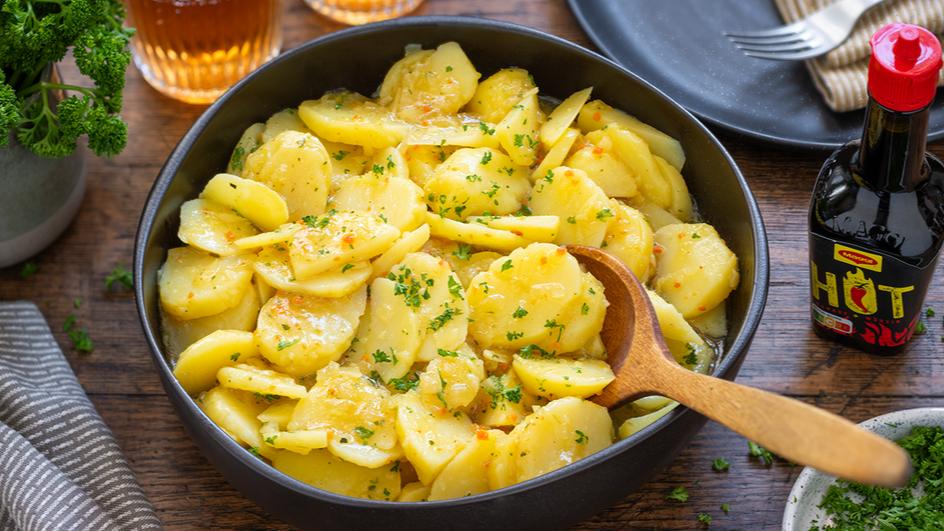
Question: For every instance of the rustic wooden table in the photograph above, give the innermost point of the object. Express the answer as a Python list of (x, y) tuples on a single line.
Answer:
[(189, 493)]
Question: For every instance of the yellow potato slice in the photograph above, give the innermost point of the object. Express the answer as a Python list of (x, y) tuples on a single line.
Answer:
[(253, 379), (688, 348), (346, 161), (395, 200), (633, 151), (559, 377), (284, 120), (713, 323), (253, 200), (362, 454), (235, 412), (391, 85), (333, 240), (197, 366), (563, 116), (635, 424), (562, 432), (474, 233), (597, 115), (349, 118), (424, 85), (474, 181), (322, 470), (179, 334), (518, 133), (681, 204), (608, 171), (503, 471), (297, 166), (556, 155), (656, 216), (629, 238), (273, 266), (501, 401), (263, 290), (430, 437), (413, 492), (453, 131), (390, 335), (194, 284), (534, 228), (301, 442), (467, 473), (467, 268), (495, 96), (409, 242), (212, 228), (422, 160), (451, 380), (300, 334), (281, 235), (248, 142), (695, 270), (355, 410), (279, 413), (584, 209)]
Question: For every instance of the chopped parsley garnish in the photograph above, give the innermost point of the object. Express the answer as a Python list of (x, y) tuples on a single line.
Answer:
[(77, 303), (463, 251), (346, 267), (604, 214), (268, 397), (761, 453), (513, 394), (121, 275), (270, 440), (447, 353), (339, 155), (254, 450), (363, 432), (377, 169), (486, 129), (920, 328), (582, 438), (382, 357), (704, 518), (29, 269), (406, 383), (930, 312), (284, 344), (455, 288), (679, 494), (527, 352), (486, 158), (316, 222), (696, 236), (511, 336), (236, 161), (448, 68), (691, 358), (492, 191), (519, 141), (572, 220), (584, 309), (390, 163), (506, 265), (440, 320), (725, 507), (519, 313), (720, 465), (81, 341), (473, 178), (549, 176), (552, 324), (235, 356), (414, 292)]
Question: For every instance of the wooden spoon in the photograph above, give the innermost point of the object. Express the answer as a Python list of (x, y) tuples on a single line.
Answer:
[(791, 429)]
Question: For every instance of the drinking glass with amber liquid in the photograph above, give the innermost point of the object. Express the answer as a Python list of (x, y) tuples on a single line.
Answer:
[(193, 50), (363, 11)]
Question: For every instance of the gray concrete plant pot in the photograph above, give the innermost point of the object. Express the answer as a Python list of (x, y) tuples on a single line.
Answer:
[(39, 197)]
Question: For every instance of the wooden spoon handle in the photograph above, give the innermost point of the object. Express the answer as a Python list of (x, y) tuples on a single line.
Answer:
[(791, 429)]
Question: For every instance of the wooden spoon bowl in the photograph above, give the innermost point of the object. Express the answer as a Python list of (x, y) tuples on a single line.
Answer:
[(799, 432)]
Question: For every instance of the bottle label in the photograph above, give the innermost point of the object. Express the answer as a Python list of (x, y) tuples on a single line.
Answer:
[(873, 298)]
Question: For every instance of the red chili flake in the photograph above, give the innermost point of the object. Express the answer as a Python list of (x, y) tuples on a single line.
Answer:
[(481, 435), (348, 238), (701, 308), (517, 233), (677, 284), (598, 151), (597, 116)]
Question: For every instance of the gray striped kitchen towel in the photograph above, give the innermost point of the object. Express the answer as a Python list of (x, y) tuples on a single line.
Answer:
[(60, 467)]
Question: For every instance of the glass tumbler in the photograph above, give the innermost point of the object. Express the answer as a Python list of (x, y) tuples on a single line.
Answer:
[(193, 50), (363, 11)]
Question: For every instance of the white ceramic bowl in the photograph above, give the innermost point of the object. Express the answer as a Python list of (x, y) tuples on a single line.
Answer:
[(802, 510)]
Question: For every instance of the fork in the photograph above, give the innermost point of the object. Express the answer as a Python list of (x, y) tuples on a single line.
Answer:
[(807, 38)]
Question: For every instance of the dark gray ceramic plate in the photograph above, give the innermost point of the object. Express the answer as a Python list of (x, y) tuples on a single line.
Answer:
[(678, 47)]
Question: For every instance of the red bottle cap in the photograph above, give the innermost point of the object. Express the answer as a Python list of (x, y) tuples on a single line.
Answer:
[(903, 70)]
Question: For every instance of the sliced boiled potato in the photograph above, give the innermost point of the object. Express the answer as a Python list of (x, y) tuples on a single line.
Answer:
[(453, 131), (534, 228), (413, 58), (475, 181), (681, 205), (274, 267), (634, 425), (194, 284), (346, 161), (518, 133), (255, 379), (212, 227), (235, 412), (395, 200), (281, 235), (688, 348), (409, 242), (501, 401), (423, 85), (583, 208), (356, 412), (606, 169), (430, 437), (557, 154), (301, 442), (563, 116), (558, 377), (634, 152), (197, 366), (467, 473), (250, 140), (474, 233), (656, 216), (597, 115), (179, 334), (555, 435), (300, 334), (297, 166), (695, 270), (333, 240), (431, 288), (422, 160), (284, 120), (466, 269), (322, 470), (390, 335), (713, 323), (503, 471), (629, 238), (279, 413), (253, 200), (451, 380), (349, 118), (495, 96), (413, 492)]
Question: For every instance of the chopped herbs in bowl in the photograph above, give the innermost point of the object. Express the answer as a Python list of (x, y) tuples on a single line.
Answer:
[(819, 502)]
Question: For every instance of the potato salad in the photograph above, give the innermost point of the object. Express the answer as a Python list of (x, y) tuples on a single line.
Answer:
[(375, 297)]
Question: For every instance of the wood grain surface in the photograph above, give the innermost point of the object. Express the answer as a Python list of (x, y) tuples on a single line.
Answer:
[(786, 356)]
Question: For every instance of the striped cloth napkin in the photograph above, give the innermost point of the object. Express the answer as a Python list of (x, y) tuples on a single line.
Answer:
[(840, 75), (60, 467)]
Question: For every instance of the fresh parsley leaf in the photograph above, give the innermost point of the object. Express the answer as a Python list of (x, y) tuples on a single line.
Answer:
[(29, 269), (679, 494), (704, 518), (486, 158), (121, 275), (761, 453), (519, 313), (582, 438), (284, 344), (720, 465), (363, 432), (463, 251)]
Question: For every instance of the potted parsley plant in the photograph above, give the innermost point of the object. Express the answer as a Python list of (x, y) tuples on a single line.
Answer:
[(43, 119)]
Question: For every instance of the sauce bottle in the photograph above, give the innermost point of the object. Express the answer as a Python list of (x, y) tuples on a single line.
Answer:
[(877, 214)]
